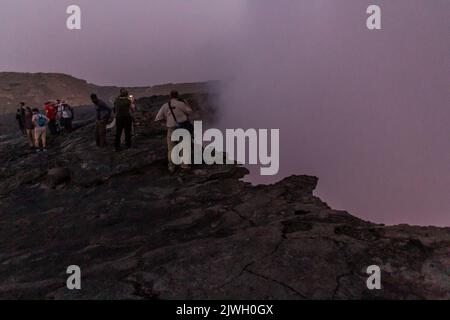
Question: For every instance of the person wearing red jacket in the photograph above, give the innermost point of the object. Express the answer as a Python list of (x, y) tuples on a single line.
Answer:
[(51, 115)]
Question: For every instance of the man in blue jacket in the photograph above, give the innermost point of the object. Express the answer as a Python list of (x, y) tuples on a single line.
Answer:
[(102, 114)]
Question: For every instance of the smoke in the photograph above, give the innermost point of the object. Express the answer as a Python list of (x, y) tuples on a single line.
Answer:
[(365, 111)]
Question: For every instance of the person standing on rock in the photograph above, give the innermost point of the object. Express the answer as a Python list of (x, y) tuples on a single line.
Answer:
[(51, 115), (58, 115), (29, 126), (122, 110), (20, 117), (40, 123), (66, 116), (175, 112), (103, 114)]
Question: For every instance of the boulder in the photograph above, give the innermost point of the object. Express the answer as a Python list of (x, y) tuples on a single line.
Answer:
[(57, 176)]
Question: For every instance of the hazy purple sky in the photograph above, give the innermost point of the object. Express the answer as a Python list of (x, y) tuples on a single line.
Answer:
[(133, 42), (366, 111)]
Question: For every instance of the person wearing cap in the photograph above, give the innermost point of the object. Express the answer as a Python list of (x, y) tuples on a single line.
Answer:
[(122, 110)]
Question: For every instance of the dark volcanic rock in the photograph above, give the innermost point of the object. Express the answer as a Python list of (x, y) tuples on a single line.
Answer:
[(138, 232), (57, 176)]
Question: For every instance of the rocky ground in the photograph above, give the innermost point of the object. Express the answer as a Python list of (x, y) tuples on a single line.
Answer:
[(138, 232)]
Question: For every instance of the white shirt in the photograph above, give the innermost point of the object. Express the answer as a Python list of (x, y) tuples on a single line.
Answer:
[(64, 112), (180, 109)]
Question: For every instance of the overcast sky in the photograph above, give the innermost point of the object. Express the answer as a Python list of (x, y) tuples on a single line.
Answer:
[(366, 111), (134, 42)]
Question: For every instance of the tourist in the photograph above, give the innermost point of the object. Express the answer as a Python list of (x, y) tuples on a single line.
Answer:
[(122, 110), (66, 115), (103, 114), (29, 126), (40, 123), (176, 114), (50, 111), (20, 117)]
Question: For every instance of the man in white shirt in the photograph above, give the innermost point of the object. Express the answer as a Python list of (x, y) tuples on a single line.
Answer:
[(179, 114), (65, 115)]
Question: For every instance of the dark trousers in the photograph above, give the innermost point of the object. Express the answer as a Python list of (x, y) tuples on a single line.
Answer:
[(123, 124), (67, 124), (52, 127), (21, 126)]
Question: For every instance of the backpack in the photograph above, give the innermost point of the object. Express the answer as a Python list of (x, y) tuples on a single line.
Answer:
[(183, 125), (41, 121)]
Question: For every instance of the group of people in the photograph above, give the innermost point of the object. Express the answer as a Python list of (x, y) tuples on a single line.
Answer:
[(58, 117), (33, 123), (175, 113), (124, 107)]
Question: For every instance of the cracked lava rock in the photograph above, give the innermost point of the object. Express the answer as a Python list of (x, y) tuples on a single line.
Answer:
[(138, 232)]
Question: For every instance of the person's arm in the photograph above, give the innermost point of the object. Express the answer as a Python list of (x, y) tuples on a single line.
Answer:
[(109, 112), (115, 106), (186, 108), (132, 106), (72, 112), (103, 107), (161, 114)]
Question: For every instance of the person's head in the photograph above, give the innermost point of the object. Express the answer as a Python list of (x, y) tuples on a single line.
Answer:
[(124, 92), (94, 98), (22, 104), (58, 101), (35, 110), (174, 94)]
